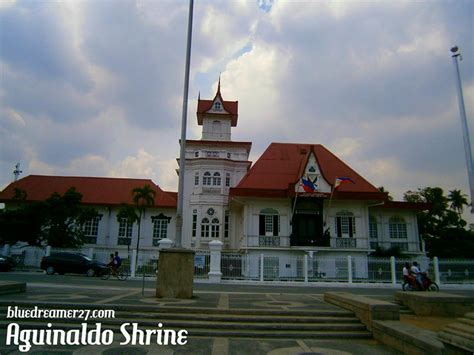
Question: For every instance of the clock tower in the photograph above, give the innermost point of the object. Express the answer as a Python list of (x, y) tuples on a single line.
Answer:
[(214, 164)]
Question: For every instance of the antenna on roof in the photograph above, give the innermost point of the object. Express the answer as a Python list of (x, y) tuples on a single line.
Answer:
[(17, 171)]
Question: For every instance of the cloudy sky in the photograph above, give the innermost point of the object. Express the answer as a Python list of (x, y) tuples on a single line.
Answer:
[(95, 88)]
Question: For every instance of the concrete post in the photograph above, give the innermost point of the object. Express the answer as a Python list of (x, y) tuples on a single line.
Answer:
[(349, 268), (261, 267), (90, 253), (215, 273), (48, 250), (6, 250), (305, 268), (436, 270), (133, 263), (165, 243), (393, 270)]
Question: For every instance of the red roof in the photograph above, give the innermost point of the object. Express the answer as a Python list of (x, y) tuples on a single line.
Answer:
[(280, 167), (232, 107), (94, 190)]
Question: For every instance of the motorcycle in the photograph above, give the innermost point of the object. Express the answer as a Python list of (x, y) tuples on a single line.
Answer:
[(410, 284)]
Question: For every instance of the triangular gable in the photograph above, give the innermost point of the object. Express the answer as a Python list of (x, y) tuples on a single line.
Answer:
[(312, 179), (218, 106)]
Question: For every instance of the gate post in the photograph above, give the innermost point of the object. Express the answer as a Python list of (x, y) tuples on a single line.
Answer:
[(305, 268), (261, 267), (436, 270), (215, 273), (393, 270), (349, 268)]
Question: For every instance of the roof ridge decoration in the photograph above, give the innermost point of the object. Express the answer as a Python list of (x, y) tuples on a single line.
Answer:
[(227, 109)]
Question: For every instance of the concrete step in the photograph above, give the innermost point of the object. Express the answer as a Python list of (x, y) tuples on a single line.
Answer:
[(244, 332)]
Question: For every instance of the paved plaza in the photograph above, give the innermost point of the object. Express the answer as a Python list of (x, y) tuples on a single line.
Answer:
[(233, 298)]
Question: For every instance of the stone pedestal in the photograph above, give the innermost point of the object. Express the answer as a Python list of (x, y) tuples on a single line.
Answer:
[(175, 274)]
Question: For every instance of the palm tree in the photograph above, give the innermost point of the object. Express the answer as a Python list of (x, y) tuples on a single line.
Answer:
[(382, 189), (457, 201), (143, 197)]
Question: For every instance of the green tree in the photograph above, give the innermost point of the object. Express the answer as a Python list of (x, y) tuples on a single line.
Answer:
[(441, 226), (457, 201), (128, 213), (382, 189), (143, 197), (57, 221)]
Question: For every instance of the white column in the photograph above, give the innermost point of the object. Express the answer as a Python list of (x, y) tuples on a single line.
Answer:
[(133, 263), (91, 253), (261, 267), (349, 268), (436, 270), (393, 270), (215, 273), (48, 250), (305, 268)]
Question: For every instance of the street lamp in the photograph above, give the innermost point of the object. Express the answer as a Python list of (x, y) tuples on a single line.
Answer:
[(465, 132)]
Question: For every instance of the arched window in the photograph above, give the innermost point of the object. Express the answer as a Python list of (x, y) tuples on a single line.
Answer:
[(345, 224), (206, 179), (216, 180), (269, 222), (215, 228), (397, 228), (373, 232), (205, 227)]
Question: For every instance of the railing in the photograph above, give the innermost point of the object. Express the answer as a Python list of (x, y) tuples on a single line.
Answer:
[(346, 242), (267, 241), (285, 266)]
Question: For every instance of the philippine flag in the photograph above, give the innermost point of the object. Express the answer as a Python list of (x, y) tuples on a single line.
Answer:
[(308, 186), (342, 180)]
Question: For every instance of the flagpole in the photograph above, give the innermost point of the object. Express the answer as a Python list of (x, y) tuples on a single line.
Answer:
[(182, 153)]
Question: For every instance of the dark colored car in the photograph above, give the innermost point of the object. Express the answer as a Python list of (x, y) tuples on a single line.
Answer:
[(6, 263), (73, 263)]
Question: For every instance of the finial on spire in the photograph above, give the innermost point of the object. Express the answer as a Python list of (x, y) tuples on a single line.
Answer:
[(199, 95), (17, 171), (219, 84)]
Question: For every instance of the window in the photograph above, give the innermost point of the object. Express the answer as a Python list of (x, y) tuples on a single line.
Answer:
[(397, 228), (373, 233), (215, 228), (125, 232), (194, 225), (196, 179), (160, 227), (226, 224), (217, 106), (269, 222), (206, 179), (345, 224), (91, 230), (196, 154), (216, 180), (205, 228), (227, 180)]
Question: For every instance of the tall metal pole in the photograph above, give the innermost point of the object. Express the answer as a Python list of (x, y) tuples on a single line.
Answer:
[(182, 152), (465, 131)]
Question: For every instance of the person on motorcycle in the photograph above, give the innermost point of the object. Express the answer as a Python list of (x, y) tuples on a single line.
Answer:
[(415, 271), (406, 274)]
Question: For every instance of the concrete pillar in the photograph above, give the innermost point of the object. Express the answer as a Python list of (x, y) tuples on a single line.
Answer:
[(393, 270), (90, 253), (305, 268), (48, 250), (215, 273), (349, 268), (133, 263), (175, 274), (436, 270), (261, 267), (6, 250), (165, 243)]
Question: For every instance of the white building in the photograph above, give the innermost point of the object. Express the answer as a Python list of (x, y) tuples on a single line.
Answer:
[(287, 203)]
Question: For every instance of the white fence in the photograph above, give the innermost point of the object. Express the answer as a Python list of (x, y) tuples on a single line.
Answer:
[(302, 267)]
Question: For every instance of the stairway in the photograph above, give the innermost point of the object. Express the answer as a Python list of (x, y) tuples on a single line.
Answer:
[(209, 322), (404, 309)]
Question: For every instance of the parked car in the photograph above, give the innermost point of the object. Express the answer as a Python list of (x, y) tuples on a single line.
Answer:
[(74, 263), (6, 263)]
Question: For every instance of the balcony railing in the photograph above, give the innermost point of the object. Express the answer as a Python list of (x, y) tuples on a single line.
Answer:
[(346, 242), (267, 241)]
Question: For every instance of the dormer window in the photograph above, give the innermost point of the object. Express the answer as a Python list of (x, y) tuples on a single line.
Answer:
[(217, 106)]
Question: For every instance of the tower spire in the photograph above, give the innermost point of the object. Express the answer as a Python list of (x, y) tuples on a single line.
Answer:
[(219, 85)]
